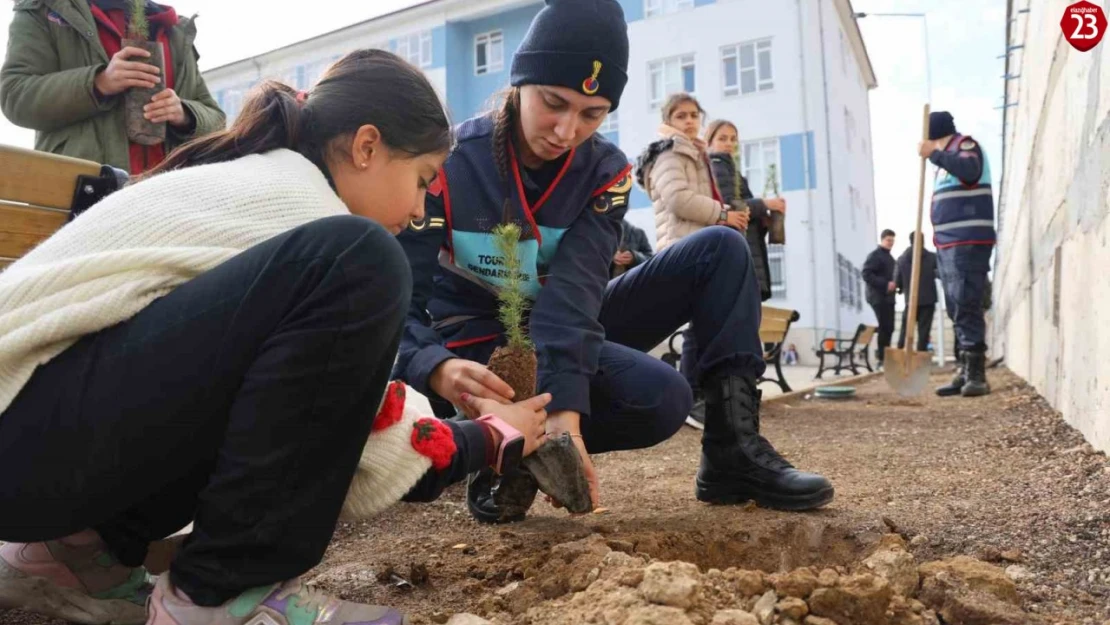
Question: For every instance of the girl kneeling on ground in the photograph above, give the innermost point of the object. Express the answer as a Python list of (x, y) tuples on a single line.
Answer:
[(211, 344), (538, 162)]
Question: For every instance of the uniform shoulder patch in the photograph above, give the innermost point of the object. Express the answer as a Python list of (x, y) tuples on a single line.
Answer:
[(967, 144), (615, 195), (425, 223), (622, 185)]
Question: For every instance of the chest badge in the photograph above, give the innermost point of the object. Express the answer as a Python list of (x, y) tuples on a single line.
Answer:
[(591, 84)]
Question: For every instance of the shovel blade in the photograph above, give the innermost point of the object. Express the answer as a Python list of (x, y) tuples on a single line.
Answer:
[(907, 374)]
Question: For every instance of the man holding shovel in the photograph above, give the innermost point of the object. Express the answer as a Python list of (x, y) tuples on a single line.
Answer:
[(963, 223)]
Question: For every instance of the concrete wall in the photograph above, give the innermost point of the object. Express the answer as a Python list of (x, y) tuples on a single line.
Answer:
[(1053, 227)]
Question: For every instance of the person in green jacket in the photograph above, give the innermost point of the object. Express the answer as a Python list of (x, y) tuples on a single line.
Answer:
[(66, 70)]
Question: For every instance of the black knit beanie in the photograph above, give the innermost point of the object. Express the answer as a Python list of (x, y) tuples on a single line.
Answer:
[(941, 125), (578, 44)]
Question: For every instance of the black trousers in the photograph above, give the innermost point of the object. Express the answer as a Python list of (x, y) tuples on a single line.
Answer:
[(241, 400), (637, 400), (924, 328), (885, 314)]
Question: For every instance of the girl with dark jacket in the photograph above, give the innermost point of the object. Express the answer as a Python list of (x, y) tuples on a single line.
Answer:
[(723, 141)]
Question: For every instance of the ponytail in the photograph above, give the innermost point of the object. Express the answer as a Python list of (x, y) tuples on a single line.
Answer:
[(270, 119), (365, 87)]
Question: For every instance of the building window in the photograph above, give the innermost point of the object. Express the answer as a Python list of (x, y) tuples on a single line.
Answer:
[(233, 102), (776, 256), (668, 76), (295, 77), (653, 8), (846, 280), (747, 67), (313, 72), (754, 159), (416, 48), (854, 202), (489, 53), (859, 287), (611, 123), (843, 54), (849, 129)]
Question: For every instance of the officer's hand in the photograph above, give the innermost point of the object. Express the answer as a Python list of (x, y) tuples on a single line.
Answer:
[(122, 74), (925, 148), (890, 288), (454, 377)]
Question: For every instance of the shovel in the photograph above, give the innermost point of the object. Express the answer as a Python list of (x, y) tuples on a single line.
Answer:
[(907, 371)]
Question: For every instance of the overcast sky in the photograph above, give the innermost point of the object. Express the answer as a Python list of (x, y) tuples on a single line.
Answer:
[(965, 37)]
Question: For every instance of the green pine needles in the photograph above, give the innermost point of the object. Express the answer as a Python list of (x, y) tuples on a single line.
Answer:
[(138, 27), (511, 295)]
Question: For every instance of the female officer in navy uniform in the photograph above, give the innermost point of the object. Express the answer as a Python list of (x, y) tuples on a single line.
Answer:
[(538, 162)]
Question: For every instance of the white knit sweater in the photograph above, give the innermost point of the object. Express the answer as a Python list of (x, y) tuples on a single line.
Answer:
[(143, 241)]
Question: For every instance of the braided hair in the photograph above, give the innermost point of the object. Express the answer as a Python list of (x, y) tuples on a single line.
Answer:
[(504, 120)]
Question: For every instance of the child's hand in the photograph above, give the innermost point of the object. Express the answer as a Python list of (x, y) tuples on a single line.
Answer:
[(528, 417)]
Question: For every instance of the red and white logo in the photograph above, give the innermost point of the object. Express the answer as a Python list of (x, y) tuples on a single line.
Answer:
[(1083, 24)]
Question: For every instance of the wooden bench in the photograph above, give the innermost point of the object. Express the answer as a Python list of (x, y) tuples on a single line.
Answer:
[(846, 351), (773, 327), (40, 193)]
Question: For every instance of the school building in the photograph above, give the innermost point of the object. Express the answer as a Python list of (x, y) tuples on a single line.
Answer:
[(793, 75)]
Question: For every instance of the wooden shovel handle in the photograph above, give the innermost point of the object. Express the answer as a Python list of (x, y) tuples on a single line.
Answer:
[(919, 240)]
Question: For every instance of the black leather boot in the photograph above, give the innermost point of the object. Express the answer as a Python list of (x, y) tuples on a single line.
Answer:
[(957, 384), (500, 499), (976, 384), (738, 464)]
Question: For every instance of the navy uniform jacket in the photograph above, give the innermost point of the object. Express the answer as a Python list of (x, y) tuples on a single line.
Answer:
[(963, 206), (568, 239)]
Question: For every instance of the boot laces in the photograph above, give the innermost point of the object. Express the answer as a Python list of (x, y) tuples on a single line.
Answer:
[(767, 456)]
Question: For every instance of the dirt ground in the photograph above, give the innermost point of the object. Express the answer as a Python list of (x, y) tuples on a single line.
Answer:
[(1000, 478)]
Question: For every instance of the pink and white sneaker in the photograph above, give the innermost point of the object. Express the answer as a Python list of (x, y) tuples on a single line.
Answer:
[(290, 603), (73, 578)]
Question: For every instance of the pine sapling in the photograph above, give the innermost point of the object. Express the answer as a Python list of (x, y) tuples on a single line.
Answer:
[(138, 27), (515, 363)]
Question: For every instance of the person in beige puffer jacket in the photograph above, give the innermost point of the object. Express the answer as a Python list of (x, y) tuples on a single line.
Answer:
[(676, 174)]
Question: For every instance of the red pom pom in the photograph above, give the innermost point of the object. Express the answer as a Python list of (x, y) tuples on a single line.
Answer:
[(433, 439), (392, 407)]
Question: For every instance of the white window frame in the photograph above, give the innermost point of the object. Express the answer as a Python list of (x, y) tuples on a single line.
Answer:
[(416, 48), (776, 257), (763, 84), (656, 8), (844, 280), (755, 169), (611, 123), (493, 40), (674, 83)]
